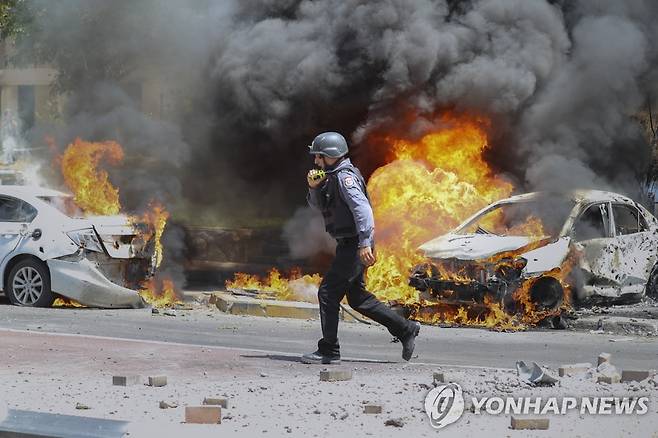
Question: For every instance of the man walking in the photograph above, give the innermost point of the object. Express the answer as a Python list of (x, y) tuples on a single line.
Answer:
[(339, 192)]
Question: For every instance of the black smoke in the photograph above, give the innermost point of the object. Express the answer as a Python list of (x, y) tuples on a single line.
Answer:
[(252, 82)]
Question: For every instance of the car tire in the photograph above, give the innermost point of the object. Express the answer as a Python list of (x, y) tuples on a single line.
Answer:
[(28, 284), (651, 289)]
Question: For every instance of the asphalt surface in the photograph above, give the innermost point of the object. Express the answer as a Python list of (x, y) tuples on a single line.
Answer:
[(442, 346)]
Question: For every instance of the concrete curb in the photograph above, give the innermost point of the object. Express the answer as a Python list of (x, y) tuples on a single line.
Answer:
[(242, 305), (618, 325), (238, 305)]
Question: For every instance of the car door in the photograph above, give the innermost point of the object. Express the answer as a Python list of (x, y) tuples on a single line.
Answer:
[(15, 215), (600, 252), (636, 243)]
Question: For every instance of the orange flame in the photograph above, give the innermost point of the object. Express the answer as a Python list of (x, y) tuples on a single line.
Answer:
[(156, 217), (160, 292), (66, 302), (293, 286), (428, 189), (95, 195), (91, 186)]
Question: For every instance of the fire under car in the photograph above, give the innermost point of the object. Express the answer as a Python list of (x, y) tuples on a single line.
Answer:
[(48, 249), (598, 247)]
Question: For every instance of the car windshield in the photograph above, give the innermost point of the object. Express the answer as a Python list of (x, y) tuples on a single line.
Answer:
[(64, 204), (538, 217)]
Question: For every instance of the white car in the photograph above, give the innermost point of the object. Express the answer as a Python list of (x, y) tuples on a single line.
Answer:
[(606, 241), (47, 249)]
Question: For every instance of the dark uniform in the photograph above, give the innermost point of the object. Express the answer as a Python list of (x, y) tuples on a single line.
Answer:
[(343, 201)]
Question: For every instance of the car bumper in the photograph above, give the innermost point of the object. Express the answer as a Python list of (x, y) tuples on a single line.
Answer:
[(83, 282)]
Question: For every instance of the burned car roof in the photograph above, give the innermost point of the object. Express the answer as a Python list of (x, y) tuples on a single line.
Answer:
[(575, 195)]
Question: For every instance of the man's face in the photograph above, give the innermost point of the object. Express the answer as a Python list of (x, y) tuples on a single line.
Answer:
[(322, 162)]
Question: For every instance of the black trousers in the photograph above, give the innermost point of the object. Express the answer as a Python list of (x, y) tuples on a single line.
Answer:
[(346, 276)]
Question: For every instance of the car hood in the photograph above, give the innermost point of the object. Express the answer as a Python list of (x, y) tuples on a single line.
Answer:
[(471, 246)]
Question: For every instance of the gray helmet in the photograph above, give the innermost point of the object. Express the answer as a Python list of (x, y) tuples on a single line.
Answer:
[(329, 144)]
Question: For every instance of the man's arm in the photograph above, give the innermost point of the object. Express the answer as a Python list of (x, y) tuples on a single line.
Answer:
[(353, 194), (314, 198)]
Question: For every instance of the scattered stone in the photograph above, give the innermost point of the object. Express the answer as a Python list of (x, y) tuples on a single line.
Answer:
[(529, 423), (573, 369), (607, 373), (604, 357), (203, 414), (81, 406), (636, 375), (264, 375), (344, 416), (216, 402), (533, 374), (165, 405), (155, 311), (126, 380), (157, 381), (169, 312), (438, 377), (616, 378), (372, 409), (335, 375), (395, 422)]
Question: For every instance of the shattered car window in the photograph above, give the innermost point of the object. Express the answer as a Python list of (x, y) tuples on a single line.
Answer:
[(538, 218), (65, 204), (15, 210), (592, 224), (627, 220)]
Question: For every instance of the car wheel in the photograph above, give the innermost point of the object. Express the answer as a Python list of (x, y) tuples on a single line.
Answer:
[(28, 284), (652, 284)]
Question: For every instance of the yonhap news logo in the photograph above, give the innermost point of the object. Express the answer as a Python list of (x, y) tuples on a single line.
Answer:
[(444, 405)]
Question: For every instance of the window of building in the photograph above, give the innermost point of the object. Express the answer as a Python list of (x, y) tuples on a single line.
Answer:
[(26, 106)]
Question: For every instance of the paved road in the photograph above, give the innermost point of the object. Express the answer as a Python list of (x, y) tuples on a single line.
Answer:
[(449, 346)]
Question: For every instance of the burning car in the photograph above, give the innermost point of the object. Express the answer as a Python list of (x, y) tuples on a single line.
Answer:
[(542, 249), (47, 248)]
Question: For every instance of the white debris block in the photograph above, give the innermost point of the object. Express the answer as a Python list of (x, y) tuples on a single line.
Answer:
[(216, 402), (203, 414), (573, 369), (372, 409), (157, 380), (636, 375), (335, 375), (520, 423), (607, 373), (126, 380), (604, 357)]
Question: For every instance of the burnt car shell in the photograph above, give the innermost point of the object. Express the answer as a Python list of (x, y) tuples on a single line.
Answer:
[(611, 238)]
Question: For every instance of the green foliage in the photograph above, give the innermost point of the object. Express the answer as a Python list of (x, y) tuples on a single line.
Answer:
[(16, 18)]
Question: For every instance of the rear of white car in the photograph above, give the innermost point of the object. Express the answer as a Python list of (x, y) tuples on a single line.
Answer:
[(45, 250)]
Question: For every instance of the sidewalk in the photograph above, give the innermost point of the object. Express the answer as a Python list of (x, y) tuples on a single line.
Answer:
[(268, 392)]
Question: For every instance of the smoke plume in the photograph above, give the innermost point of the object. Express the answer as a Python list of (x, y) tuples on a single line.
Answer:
[(250, 83)]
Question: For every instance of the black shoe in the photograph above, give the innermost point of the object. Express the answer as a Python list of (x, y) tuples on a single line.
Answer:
[(409, 342), (318, 358)]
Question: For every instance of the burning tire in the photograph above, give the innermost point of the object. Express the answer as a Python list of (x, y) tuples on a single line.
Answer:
[(546, 293), (28, 284)]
